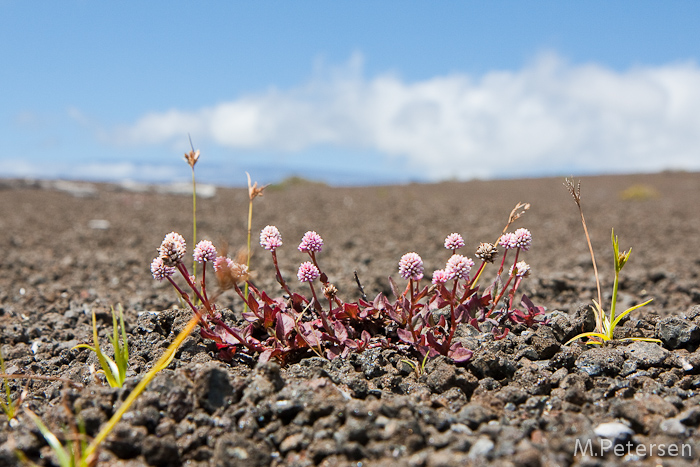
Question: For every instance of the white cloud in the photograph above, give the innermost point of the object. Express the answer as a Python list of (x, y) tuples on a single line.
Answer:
[(547, 117)]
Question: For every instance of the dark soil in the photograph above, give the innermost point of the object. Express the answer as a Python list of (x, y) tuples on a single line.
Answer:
[(524, 400)]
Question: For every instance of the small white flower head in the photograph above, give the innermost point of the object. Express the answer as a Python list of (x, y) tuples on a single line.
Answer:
[(508, 241), (521, 269), (311, 242), (270, 238), (454, 241), (308, 272), (205, 252), (440, 276), (173, 249), (458, 267), (411, 266), (523, 239), (159, 270)]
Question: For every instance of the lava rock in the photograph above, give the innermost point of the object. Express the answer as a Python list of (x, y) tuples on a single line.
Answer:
[(233, 451), (645, 354), (474, 414), (598, 362), (676, 332)]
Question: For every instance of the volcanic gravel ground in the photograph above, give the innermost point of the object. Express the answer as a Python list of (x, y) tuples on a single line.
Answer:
[(525, 400)]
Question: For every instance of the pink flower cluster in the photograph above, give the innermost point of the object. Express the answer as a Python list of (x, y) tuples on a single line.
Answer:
[(454, 241), (311, 242), (159, 270), (204, 252), (521, 269), (521, 238), (457, 267), (308, 272), (411, 266), (270, 238), (173, 249)]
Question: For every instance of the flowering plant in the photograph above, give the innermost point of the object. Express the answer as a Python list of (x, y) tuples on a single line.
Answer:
[(422, 317)]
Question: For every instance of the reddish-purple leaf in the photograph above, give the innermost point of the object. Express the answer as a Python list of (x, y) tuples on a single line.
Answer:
[(405, 336)]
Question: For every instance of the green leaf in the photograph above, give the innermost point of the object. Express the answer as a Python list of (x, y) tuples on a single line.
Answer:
[(588, 334), (627, 311), (64, 459)]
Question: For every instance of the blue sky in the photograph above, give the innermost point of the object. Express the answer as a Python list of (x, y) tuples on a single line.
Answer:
[(347, 92)]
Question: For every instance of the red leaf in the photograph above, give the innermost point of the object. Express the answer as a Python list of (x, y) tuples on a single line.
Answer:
[(405, 336)]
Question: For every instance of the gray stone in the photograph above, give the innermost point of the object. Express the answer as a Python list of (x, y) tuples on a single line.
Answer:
[(474, 414), (614, 430), (481, 448), (676, 332), (645, 354), (598, 362)]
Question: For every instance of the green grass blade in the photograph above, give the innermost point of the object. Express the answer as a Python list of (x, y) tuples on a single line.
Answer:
[(64, 459), (8, 406), (160, 364), (629, 310), (104, 363), (588, 334)]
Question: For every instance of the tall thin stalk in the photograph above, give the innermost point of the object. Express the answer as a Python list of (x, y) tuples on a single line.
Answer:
[(253, 192), (192, 157)]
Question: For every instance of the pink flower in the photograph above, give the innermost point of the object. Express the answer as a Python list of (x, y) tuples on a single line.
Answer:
[(440, 276), (508, 241), (411, 266), (521, 269), (270, 238), (454, 241), (311, 242), (458, 267), (173, 249), (204, 251), (159, 270), (308, 272), (523, 239)]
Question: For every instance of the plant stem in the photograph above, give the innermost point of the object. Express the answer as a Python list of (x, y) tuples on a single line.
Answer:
[(250, 226), (194, 219)]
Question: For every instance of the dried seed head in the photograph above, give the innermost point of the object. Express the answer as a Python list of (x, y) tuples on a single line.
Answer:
[(253, 190), (173, 249), (486, 252), (229, 272), (330, 291), (192, 157), (411, 266), (574, 188)]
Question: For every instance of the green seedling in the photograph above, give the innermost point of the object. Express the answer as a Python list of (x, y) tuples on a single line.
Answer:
[(114, 370), (70, 455), (85, 455), (605, 325), (419, 370), (8, 405)]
